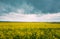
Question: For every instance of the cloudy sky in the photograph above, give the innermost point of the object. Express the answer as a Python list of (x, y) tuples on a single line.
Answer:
[(30, 10)]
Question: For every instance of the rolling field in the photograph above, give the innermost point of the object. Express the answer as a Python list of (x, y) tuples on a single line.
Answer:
[(29, 30)]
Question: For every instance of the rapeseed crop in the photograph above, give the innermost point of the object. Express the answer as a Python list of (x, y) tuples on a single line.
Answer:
[(17, 30)]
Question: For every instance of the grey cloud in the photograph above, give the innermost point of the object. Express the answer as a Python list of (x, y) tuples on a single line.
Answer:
[(45, 6), (51, 6)]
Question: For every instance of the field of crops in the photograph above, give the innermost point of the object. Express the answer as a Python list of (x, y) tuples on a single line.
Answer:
[(29, 30)]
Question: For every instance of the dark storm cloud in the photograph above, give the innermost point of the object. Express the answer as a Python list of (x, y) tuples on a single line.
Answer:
[(45, 6), (7, 6), (51, 6)]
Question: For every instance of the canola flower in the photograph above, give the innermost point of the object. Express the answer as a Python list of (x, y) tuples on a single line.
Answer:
[(21, 32)]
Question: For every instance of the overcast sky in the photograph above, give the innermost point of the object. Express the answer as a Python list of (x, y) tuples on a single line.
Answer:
[(30, 10)]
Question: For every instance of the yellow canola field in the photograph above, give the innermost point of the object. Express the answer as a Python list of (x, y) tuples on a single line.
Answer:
[(30, 24), (29, 30)]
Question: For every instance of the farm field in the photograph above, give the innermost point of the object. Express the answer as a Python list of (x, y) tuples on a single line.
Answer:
[(29, 30)]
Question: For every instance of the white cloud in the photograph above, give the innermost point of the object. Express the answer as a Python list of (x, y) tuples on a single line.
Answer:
[(18, 17), (50, 17), (31, 17)]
